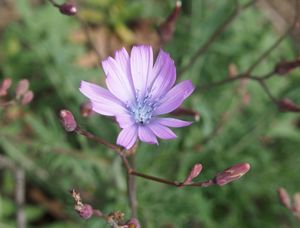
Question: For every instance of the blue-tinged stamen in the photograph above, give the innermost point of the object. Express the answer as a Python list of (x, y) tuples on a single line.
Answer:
[(142, 109)]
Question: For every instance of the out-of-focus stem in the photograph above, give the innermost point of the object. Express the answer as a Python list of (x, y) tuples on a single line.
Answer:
[(215, 35), (20, 196), (132, 190)]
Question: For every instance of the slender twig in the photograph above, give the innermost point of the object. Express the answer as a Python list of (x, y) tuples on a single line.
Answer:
[(54, 3), (98, 139), (132, 190), (277, 42), (20, 196), (89, 37), (131, 171), (214, 36), (266, 89)]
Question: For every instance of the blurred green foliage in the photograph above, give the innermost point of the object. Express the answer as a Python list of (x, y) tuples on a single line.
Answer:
[(38, 47)]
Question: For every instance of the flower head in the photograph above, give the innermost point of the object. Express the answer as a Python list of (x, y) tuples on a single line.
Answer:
[(138, 92)]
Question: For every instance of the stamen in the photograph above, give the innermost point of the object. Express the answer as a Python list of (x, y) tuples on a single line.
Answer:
[(142, 109)]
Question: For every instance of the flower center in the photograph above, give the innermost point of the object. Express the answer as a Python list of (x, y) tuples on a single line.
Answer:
[(142, 110)]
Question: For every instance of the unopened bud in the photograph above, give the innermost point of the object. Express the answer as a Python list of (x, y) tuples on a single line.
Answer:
[(195, 171), (22, 88), (68, 121), (68, 9), (85, 211), (285, 67), (6, 83), (231, 174), (186, 112), (166, 29), (133, 223), (86, 109), (27, 97), (232, 70), (297, 202), (286, 105), (284, 197)]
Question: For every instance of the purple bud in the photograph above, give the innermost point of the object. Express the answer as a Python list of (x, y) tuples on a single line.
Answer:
[(27, 97), (195, 171), (22, 88), (133, 223), (166, 29), (85, 211), (68, 9), (284, 197), (232, 174), (68, 121), (286, 105), (86, 109), (6, 83), (285, 67)]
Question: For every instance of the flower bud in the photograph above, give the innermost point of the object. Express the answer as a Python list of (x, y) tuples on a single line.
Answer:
[(297, 202), (284, 197), (6, 83), (133, 223), (186, 112), (195, 171), (166, 29), (68, 121), (286, 105), (86, 109), (22, 88), (231, 174), (68, 9), (85, 211), (285, 67), (27, 97)]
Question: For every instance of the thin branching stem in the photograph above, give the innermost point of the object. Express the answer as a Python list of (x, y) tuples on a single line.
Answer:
[(98, 139), (214, 36)]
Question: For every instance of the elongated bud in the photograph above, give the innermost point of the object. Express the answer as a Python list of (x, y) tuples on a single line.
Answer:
[(68, 9), (284, 197), (232, 174), (195, 171), (6, 83), (27, 97), (286, 105), (285, 67), (22, 88), (186, 112), (296, 207), (68, 121), (166, 29)]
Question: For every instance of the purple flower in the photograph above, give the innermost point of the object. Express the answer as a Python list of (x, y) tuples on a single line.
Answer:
[(138, 92)]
